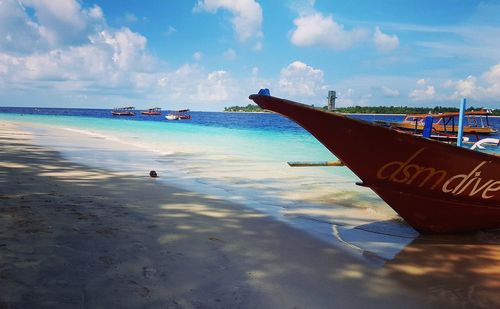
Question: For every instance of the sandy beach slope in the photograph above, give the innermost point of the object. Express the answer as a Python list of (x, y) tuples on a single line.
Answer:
[(73, 236)]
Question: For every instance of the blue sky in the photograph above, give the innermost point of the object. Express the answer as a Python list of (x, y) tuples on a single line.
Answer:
[(208, 54)]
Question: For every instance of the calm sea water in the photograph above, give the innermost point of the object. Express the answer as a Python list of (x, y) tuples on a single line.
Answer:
[(237, 156), (252, 121)]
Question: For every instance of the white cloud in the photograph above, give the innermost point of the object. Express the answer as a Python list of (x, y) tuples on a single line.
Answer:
[(477, 89), (18, 34), (128, 18), (486, 87), (113, 59), (350, 97), (466, 87), (229, 54), (127, 46), (423, 91), (64, 22), (258, 46), (481, 90), (470, 39), (246, 15), (216, 87), (198, 56), (301, 80), (109, 65), (56, 24), (390, 93), (447, 84), (303, 7), (191, 83), (96, 13), (171, 30), (492, 76), (385, 42), (68, 48), (319, 30), (492, 80)]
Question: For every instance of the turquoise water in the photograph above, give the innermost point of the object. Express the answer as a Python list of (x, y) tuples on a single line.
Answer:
[(248, 143)]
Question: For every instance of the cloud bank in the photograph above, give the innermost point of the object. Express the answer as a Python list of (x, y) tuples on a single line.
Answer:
[(246, 15), (319, 30)]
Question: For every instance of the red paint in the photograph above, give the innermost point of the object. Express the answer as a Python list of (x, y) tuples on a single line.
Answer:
[(435, 187)]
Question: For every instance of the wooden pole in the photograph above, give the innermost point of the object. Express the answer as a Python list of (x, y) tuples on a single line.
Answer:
[(309, 164)]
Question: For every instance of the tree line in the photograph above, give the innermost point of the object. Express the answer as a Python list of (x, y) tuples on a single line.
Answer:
[(248, 108), (404, 110), (371, 109)]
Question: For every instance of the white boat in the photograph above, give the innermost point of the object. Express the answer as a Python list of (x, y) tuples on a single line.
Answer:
[(178, 115), (172, 117)]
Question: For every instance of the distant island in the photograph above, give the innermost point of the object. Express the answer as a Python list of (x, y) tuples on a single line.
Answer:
[(252, 108)]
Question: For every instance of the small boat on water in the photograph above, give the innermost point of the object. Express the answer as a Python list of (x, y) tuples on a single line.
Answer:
[(436, 187), (430, 132), (152, 111), (123, 111), (178, 115), (477, 122)]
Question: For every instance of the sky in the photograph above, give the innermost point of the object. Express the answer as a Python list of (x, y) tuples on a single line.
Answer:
[(209, 54)]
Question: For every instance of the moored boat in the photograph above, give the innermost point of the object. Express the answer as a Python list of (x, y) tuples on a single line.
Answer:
[(152, 111), (477, 122), (436, 187), (123, 111), (178, 115)]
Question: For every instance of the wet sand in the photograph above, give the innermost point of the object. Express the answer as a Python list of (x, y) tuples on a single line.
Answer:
[(73, 236)]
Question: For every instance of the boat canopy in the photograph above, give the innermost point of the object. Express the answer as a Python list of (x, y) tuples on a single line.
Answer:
[(482, 112)]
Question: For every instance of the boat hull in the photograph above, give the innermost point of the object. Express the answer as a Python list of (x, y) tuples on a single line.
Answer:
[(177, 117), (435, 187), (123, 113)]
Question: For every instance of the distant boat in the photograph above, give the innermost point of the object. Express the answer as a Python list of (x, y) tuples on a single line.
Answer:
[(124, 111), (178, 115), (477, 122), (430, 132), (152, 111), (438, 136), (436, 187)]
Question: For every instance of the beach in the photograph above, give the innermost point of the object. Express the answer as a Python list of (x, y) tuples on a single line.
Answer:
[(75, 235)]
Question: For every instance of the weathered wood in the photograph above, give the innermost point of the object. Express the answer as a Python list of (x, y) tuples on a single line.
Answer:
[(317, 163)]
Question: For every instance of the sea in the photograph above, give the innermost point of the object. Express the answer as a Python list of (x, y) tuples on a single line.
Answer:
[(240, 157)]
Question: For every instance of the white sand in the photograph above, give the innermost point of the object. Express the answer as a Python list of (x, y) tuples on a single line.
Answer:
[(82, 237)]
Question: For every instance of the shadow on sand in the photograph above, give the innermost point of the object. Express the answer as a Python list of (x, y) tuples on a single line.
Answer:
[(77, 237)]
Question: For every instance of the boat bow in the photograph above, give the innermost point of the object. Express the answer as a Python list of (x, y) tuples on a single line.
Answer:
[(435, 187)]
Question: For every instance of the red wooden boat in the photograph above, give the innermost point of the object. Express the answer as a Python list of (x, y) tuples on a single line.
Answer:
[(436, 187), (152, 111)]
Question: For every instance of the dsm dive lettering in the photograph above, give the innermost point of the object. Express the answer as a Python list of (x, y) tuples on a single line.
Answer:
[(409, 173)]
